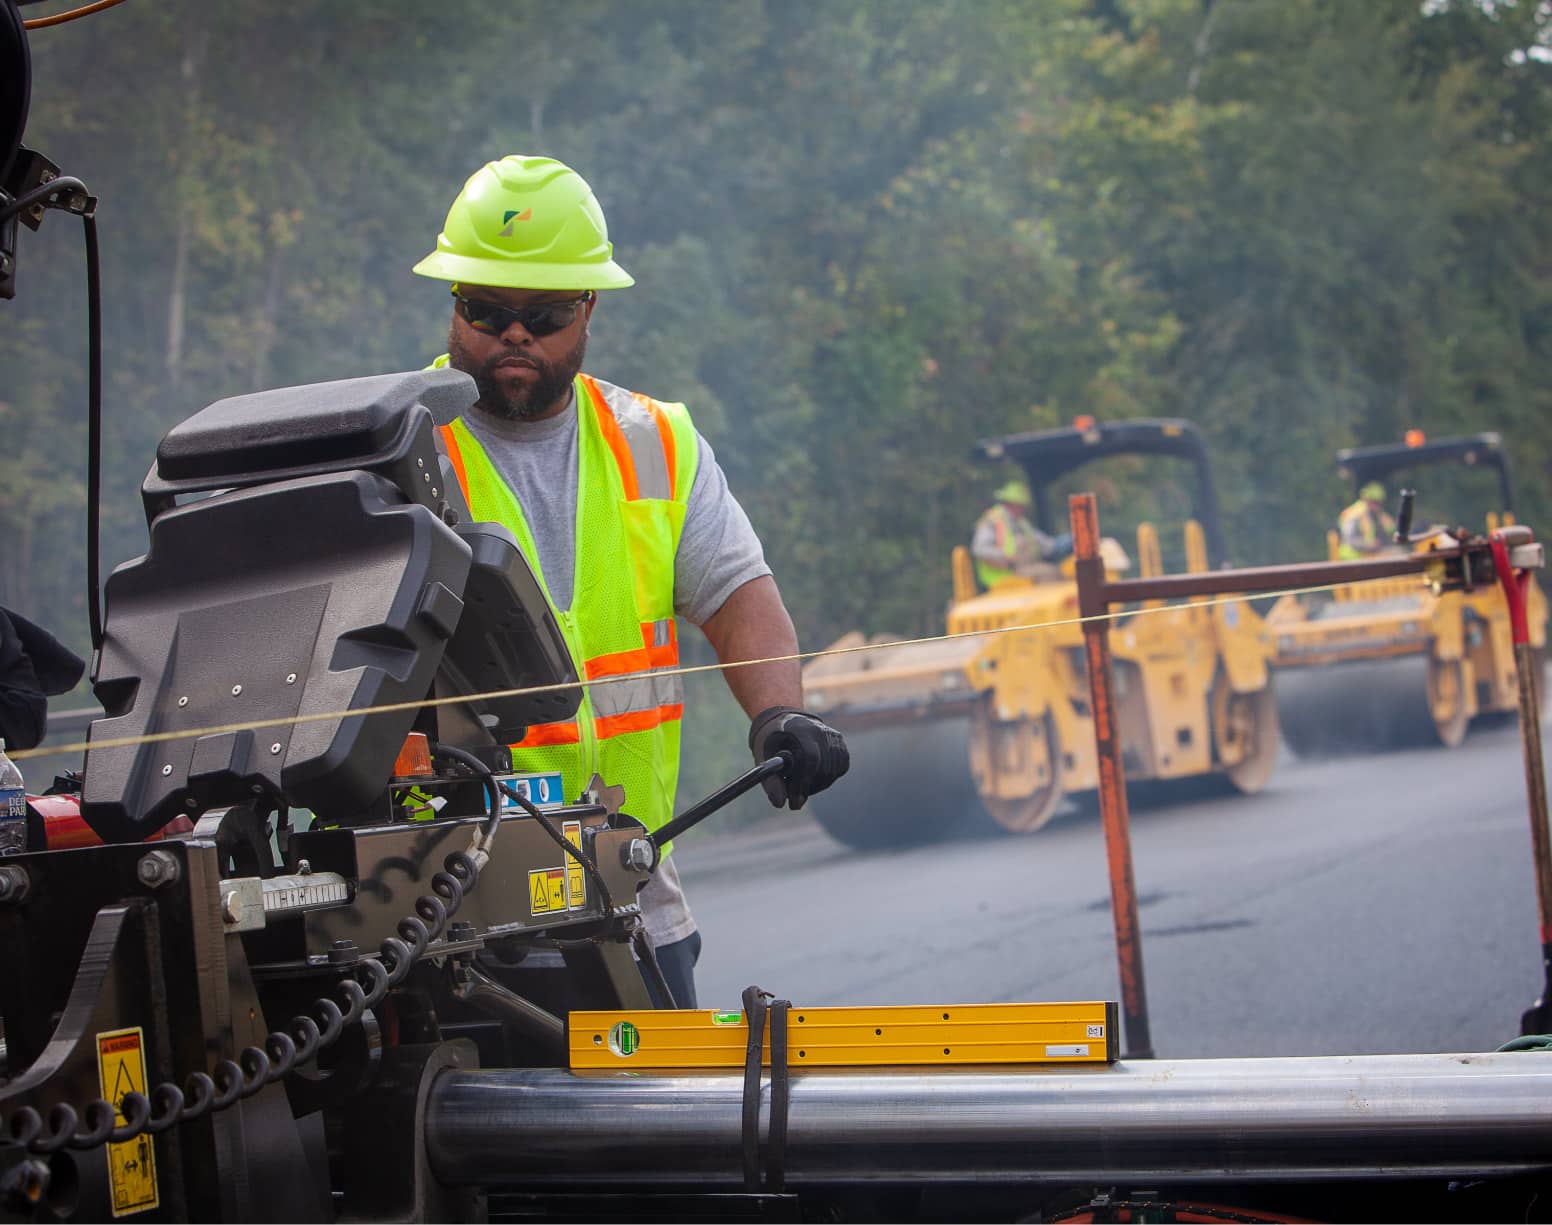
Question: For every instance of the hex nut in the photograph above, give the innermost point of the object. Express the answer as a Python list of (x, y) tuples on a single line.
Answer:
[(639, 854), (157, 868), (15, 883)]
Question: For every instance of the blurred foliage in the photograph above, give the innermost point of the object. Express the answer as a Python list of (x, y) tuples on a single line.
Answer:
[(865, 235)]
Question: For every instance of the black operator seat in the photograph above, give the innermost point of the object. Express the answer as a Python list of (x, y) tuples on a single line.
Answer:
[(307, 559)]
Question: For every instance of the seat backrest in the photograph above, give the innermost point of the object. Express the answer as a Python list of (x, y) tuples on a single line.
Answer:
[(323, 575)]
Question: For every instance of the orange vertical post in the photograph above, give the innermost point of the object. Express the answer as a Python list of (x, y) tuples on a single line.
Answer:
[(1092, 604)]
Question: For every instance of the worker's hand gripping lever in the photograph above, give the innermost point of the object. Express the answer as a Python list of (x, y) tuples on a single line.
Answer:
[(718, 799), (1515, 555)]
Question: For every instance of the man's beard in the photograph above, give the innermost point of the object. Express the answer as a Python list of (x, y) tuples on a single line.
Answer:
[(524, 401)]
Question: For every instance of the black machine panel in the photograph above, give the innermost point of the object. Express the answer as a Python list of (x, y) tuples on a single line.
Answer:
[(364, 423), (287, 596)]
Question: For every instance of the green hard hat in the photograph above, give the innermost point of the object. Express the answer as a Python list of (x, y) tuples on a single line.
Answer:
[(526, 223), (1014, 491), (1372, 492)]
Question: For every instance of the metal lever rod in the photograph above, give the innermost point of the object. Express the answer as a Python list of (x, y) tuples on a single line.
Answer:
[(721, 797)]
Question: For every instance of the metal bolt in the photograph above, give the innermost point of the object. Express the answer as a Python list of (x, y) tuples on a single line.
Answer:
[(290, 678), (15, 884), (461, 930), (639, 854), (166, 770), (183, 701), (420, 463), (275, 748), (434, 492), (426, 476), (236, 689), (46, 176), (158, 868), (342, 952), (231, 906), (304, 867)]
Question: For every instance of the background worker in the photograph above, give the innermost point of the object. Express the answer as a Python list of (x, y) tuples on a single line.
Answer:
[(1006, 542), (1365, 527), (622, 511)]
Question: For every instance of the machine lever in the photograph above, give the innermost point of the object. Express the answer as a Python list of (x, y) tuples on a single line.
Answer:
[(720, 798), (1403, 534)]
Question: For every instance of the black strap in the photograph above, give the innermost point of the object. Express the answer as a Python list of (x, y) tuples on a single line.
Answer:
[(754, 1014), (781, 1084)]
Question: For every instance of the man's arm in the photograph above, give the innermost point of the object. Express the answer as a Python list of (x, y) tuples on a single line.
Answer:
[(753, 624)]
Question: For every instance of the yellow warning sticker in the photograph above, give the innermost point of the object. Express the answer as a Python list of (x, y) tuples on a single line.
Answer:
[(547, 890), (576, 882), (121, 1069)]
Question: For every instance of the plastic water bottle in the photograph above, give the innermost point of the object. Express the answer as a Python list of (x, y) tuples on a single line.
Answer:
[(13, 807)]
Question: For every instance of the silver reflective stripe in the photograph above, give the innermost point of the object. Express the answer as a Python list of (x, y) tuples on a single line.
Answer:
[(639, 429), (646, 691), (662, 632)]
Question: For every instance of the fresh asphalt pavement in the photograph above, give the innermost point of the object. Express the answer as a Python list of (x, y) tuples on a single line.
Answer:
[(1357, 905)]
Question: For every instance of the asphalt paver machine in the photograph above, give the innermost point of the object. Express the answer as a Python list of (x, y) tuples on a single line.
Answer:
[(374, 979)]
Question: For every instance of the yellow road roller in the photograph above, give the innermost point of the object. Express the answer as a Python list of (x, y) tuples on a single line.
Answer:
[(986, 729), (1393, 664)]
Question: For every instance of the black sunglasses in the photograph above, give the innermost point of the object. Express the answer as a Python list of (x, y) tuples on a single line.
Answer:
[(538, 320)]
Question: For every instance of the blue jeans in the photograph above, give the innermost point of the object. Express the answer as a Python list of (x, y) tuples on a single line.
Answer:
[(677, 961)]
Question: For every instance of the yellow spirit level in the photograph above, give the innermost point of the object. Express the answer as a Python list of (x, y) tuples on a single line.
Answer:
[(851, 1037)]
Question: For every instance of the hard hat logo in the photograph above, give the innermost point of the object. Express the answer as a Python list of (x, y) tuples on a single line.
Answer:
[(526, 223)]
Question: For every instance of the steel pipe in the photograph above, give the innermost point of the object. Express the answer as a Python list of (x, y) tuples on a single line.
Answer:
[(1220, 1120)]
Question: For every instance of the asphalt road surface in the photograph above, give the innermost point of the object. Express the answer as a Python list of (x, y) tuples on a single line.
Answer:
[(1358, 905)]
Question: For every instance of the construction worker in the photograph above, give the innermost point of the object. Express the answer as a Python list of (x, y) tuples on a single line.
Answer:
[(1365, 527), (622, 511), (1006, 542)]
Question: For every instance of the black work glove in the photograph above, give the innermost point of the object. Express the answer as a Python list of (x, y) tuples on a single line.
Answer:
[(818, 753)]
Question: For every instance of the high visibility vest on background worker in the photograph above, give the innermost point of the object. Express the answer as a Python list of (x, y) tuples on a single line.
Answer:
[(1362, 529), (636, 460), (1004, 524)]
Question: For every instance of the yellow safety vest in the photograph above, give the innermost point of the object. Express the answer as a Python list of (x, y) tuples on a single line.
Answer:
[(1359, 528), (636, 461), (1007, 530)]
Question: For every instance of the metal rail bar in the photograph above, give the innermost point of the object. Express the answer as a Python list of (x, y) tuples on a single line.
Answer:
[(1269, 578), (1219, 1120)]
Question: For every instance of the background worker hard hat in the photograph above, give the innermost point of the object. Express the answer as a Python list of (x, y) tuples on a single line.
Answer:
[(526, 223), (1016, 492), (1372, 492)]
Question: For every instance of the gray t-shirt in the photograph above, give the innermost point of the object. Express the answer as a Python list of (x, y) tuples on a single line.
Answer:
[(718, 553), (718, 549)]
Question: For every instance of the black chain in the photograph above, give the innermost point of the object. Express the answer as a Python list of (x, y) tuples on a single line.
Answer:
[(256, 1066)]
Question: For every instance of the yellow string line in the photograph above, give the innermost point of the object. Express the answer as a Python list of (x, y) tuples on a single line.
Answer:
[(391, 708)]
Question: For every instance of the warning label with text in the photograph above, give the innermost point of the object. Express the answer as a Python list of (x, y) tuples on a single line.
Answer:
[(560, 888), (121, 1069)]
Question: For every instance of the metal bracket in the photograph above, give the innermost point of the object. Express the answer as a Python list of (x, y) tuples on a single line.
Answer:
[(247, 902)]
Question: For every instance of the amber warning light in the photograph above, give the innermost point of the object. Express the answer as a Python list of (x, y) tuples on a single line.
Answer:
[(414, 760), (1415, 438)]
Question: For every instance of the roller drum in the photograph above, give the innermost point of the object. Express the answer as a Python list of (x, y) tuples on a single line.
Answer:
[(1363, 707), (909, 783), (1198, 1120)]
